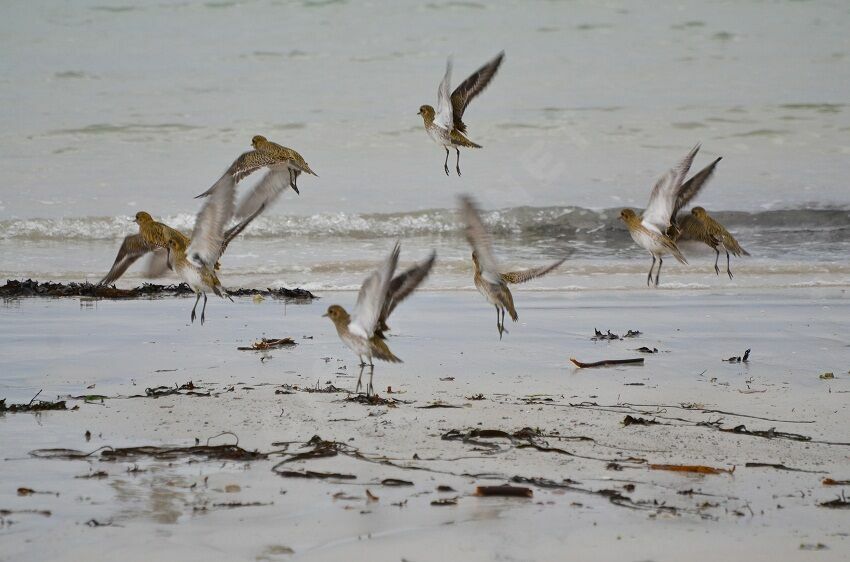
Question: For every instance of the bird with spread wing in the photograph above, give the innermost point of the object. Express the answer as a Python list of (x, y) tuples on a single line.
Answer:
[(363, 330), (650, 230), (445, 125), (488, 278)]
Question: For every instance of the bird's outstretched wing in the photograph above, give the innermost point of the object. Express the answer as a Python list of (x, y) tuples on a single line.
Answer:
[(208, 234), (444, 117), (529, 274), (372, 296), (235, 231), (471, 87), (244, 165), (264, 193), (480, 239), (691, 188), (133, 247), (403, 285), (662, 200)]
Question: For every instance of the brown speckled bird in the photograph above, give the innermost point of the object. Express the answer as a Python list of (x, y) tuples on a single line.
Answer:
[(152, 236), (445, 125), (267, 154), (701, 226)]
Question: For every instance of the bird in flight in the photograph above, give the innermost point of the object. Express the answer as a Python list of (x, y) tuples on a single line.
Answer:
[(488, 278), (445, 124)]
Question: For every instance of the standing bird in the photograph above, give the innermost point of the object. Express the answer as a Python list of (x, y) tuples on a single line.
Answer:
[(152, 237), (266, 154), (445, 125), (699, 225), (650, 229), (489, 280), (363, 330)]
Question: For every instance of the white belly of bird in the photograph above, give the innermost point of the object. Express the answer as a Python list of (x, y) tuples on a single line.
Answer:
[(357, 344), (649, 243), (439, 135), (192, 277)]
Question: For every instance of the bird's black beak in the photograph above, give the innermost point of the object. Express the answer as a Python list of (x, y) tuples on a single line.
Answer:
[(325, 315)]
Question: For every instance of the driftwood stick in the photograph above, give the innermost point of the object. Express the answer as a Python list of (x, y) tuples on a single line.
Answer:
[(606, 362)]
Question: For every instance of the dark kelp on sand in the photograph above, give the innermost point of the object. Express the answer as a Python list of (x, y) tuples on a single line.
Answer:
[(29, 288)]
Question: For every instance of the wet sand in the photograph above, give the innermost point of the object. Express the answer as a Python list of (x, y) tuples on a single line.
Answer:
[(596, 493)]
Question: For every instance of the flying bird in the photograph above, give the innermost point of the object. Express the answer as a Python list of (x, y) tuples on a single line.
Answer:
[(363, 330), (699, 225), (488, 278), (153, 236), (266, 154), (445, 124)]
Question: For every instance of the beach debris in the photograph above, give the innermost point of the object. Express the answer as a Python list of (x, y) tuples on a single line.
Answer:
[(32, 406), (266, 343), (838, 503), (438, 404), (827, 376), (446, 379), (30, 288), (632, 420), (186, 389), (96, 523), (478, 396), (611, 336), (445, 501), (313, 474), (445, 488), (329, 388), (832, 482), (375, 400), (813, 546), (8, 512), (606, 362), (395, 482), (22, 491), (739, 359), (692, 468), (232, 505), (767, 434), (370, 497), (504, 491), (645, 349), (778, 466), (94, 475)]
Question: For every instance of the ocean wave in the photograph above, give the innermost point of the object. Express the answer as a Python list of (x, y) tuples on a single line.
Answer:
[(535, 222)]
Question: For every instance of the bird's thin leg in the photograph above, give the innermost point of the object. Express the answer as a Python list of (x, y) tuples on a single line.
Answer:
[(362, 363), (729, 271), (446, 163), (360, 377), (203, 309), (498, 325), (649, 277), (370, 390), (196, 306), (658, 271), (504, 330), (716, 258), (293, 181), (457, 165)]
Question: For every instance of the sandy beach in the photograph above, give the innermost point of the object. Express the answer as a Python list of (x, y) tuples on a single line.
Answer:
[(511, 412)]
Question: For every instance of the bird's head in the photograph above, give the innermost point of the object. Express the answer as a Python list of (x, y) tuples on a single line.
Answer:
[(337, 314), (698, 212), (142, 217), (258, 139), (629, 217), (427, 112)]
